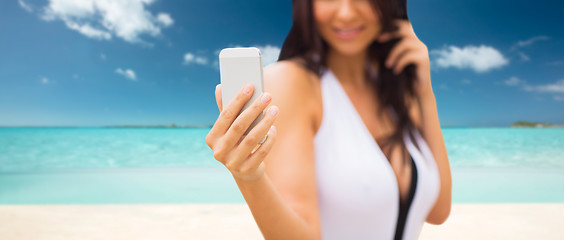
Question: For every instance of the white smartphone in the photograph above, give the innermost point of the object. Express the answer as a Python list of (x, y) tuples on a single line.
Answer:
[(237, 67)]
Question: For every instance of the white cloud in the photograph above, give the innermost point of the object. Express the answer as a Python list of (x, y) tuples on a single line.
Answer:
[(102, 19), (25, 6), (89, 31), (444, 86), (557, 87), (480, 59), (165, 19), (44, 80), (550, 88), (524, 57), (513, 81), (529, 41), (102, 56), (128, 73), (524, 43), (269, 54), (190, 58)]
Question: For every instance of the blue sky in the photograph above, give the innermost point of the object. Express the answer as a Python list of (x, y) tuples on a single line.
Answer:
[(99, 62)]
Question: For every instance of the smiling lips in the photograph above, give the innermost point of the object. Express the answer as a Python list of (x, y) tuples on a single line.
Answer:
[(348, 33)]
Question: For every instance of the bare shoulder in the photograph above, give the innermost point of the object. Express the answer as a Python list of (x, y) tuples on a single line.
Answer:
[(296, 86), (289, 74)]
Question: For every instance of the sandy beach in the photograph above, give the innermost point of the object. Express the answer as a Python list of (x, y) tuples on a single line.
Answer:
[(234, 221)]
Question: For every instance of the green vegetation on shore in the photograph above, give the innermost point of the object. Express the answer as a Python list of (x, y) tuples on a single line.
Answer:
[(525, 124)]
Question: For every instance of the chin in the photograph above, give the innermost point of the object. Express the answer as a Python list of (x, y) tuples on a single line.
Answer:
[(350, 50)]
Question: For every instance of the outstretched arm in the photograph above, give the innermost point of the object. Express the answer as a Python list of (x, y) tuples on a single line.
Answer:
[(284, 202), (278, 179)]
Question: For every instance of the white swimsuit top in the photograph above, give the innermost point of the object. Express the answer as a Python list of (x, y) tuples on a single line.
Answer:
[(357, 188)]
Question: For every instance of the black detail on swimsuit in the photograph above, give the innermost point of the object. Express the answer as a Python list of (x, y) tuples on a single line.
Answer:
[(404, 207)]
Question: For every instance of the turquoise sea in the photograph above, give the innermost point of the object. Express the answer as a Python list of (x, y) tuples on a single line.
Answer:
[(174, 165)]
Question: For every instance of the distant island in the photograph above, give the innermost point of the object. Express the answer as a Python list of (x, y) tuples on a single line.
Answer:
[(525, 124)]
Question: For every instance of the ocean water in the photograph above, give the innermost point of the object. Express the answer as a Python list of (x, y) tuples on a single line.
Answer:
[(164, 165), (31, 149), (505, 147)]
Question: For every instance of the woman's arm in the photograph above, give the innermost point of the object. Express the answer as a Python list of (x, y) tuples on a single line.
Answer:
[(284, 201), (434, 138)]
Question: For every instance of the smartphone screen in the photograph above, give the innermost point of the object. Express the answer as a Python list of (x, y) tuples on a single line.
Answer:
[(239, 66)]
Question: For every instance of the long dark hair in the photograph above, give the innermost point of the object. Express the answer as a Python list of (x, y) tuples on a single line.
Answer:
[(304, 42)]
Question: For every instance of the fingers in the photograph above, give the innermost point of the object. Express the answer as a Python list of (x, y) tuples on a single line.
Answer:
[(384, 37), (404, 61), (407, 50), (403, 24), (257, 158), (399, 50), (246, 146), (243, 121), (231, 111), (218, 97)]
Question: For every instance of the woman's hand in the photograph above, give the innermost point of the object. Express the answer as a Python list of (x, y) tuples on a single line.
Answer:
[(242, 156), (410, 50)]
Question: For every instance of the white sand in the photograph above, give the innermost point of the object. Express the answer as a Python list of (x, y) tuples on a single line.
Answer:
[(234, 221)]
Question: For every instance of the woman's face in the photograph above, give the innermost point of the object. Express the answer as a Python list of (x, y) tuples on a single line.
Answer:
[(348, 26)]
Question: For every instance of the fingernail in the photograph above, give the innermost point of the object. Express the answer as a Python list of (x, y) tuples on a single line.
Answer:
[(248, 88), (272, 130), (273, 110), (216, 86), (265, 98)]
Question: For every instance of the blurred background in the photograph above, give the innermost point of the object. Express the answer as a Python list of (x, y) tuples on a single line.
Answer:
[(110, 101)]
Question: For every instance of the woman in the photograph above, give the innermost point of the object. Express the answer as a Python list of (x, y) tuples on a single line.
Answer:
[(354, 148)]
